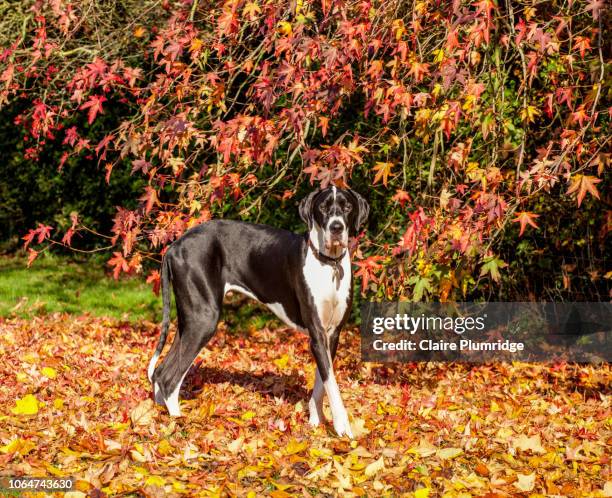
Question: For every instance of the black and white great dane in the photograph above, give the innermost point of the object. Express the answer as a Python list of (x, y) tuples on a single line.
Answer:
[(305, 280)]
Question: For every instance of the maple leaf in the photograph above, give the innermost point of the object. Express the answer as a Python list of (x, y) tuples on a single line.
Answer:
[(525, 218), (580, 115), (595, 6), (491, 266), (402, 197), (367, 270), (32, 255), (28, 405), (383, 170), (251, 9), (324, 124), (119, 264), (418, 70), (94, 104), (529, 113), (583, 44), (583, 184), (155, 279)]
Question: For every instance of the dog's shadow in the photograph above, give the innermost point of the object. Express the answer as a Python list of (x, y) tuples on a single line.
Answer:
[(270, 385)]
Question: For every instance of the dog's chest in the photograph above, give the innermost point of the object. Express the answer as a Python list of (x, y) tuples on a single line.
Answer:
[(330, 298)]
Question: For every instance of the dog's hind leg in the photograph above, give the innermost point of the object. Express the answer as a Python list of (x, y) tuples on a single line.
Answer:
[(195, 331)]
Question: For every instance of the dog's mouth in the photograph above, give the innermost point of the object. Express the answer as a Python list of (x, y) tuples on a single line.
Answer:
[(335, 244)]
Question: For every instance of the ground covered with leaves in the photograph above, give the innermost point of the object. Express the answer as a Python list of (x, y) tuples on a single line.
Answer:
[(75, 401)]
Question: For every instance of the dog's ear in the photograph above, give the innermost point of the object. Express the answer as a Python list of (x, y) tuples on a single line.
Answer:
[(306, 208), (363, 210)]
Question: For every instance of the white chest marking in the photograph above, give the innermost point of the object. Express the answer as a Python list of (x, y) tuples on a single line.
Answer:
[(330, 300), (276, 308)]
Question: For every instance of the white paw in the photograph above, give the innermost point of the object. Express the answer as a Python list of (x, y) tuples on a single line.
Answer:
[(342, 426), (314, 419), (174, 410), (315, 413)]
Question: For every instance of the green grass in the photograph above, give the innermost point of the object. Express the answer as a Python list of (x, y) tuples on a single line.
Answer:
[(57, 283), (83, 285)]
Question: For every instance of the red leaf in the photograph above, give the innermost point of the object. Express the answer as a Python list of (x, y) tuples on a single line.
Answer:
[(154, 279), (29, 237), (44, 231), (119, 264), (367, 269), (94, 104)]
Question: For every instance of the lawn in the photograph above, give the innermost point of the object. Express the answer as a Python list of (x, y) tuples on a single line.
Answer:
[(72, 285)]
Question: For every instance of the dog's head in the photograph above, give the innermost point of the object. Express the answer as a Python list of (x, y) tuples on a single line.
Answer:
[(332, 215)]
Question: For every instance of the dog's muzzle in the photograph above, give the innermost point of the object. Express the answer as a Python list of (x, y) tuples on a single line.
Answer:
[(337, 236)]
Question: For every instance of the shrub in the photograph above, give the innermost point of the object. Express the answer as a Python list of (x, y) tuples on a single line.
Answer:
[(479, 131)]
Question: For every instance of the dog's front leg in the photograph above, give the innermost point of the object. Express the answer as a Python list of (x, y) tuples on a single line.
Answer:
[(315, 405), (325, 370)]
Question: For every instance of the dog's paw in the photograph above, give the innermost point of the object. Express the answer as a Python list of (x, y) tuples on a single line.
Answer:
[(342, 426), (314, 420), (315, 412)]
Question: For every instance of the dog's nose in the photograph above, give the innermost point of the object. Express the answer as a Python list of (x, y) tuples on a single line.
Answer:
[(336, 227)]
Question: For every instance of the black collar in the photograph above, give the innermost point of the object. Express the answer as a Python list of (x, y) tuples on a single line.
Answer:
[(335, 263)]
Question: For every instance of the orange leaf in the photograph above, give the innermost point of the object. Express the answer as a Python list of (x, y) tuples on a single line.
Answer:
[(383, 170), (583, 184), (525, 218)]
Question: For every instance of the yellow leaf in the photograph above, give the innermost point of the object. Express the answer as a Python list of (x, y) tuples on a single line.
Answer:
[(155, 481), (54, 470), (525, 482), (525, 443), (143, 413), (58, 403), (139, 32), (282, 361), (375, 467), (21, 446), (421, 493), (448, 453), (295, 447), (196, 44), (495, 407), (137, 456), (285, 28), (164, 447), (280, 494), (21, 377), (49, 372), (248, 415), (359, 428), (28, 405), (529, 113)]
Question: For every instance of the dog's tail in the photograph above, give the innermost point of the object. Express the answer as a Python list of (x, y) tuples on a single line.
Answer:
[(165, 286)]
